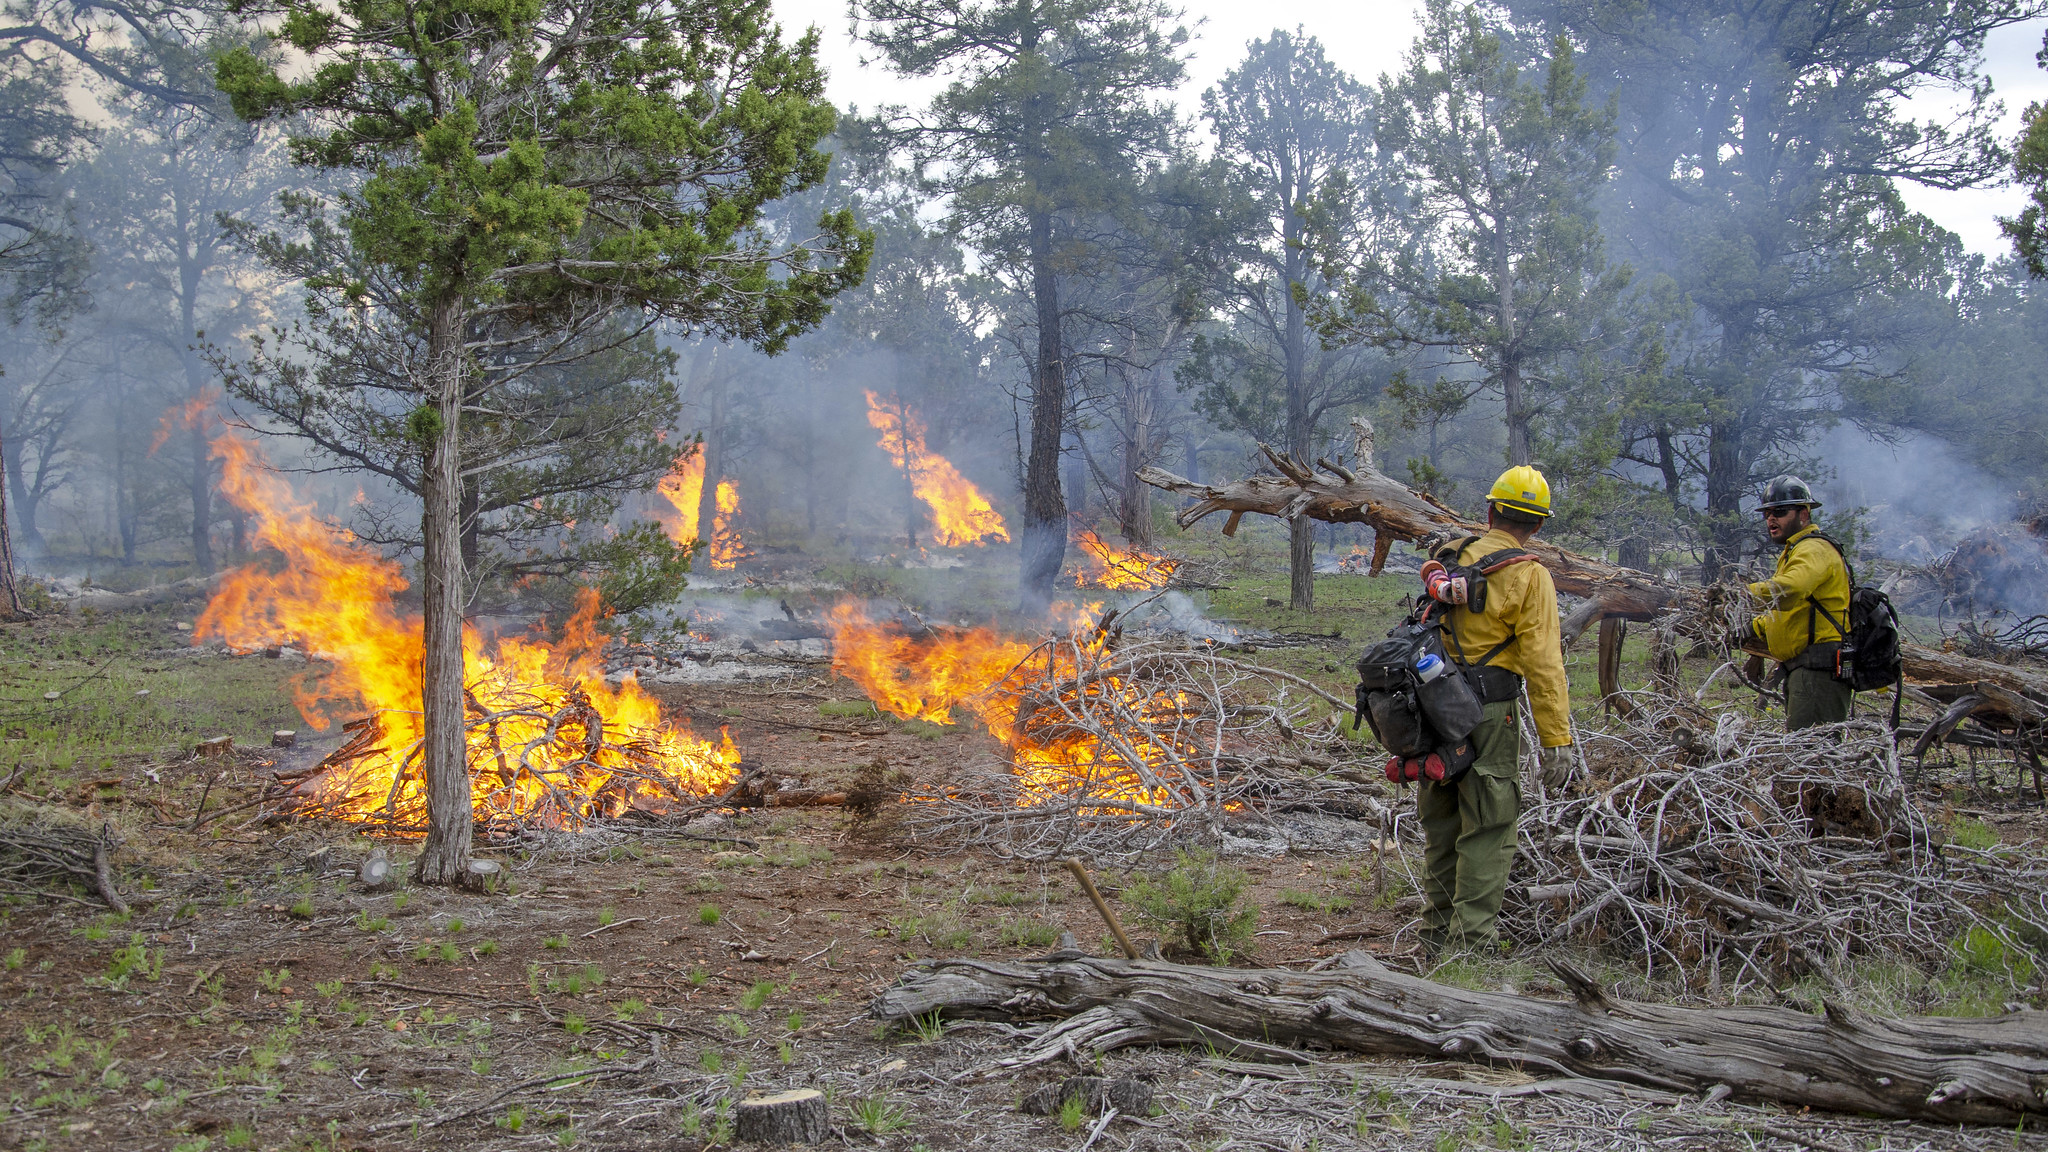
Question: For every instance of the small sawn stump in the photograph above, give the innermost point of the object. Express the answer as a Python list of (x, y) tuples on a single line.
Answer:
[(798, 1116)]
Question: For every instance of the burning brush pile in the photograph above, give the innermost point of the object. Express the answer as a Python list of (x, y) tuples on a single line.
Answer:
[(551, 744), (1740, 855), (1103, 565), (1110, 745)]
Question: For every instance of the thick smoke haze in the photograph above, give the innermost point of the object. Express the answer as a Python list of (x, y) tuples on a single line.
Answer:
[(1921, 496), (1183, 301)]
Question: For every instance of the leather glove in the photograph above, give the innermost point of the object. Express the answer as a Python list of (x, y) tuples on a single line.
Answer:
[(1438, 582), (1557, 765), (1742, 636)]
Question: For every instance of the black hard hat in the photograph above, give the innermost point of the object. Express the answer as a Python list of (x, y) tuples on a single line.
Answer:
[(1787, 492)]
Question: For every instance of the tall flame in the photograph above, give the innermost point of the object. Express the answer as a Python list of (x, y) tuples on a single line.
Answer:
[(549, 740), (683, 487), (188, 415), (961, 515), (1108, 567), (727, 549)]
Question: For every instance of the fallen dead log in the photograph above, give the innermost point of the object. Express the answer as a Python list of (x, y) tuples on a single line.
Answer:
[(104, 600), (2021, 693), (1361, 494), (1991, 1071)]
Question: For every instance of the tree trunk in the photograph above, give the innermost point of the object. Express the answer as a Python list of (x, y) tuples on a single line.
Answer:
[(1726, 472), (26, 499), (1513, 408), (1516, 413), (10, 593), (1301, 541), (913, 508), (200, 491), (1044, 536), (1949, 1070), (199, 482), (444, 857), (1134, 500), (472, 528), (714, 446)]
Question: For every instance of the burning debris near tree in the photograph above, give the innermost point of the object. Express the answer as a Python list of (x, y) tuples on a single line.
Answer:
[(550, 743)]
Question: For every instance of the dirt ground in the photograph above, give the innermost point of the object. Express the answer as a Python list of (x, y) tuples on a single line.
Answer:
[(625, 987)]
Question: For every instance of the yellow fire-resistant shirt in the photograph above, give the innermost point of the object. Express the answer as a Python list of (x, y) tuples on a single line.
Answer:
[(1521, 601), (1807, 567)]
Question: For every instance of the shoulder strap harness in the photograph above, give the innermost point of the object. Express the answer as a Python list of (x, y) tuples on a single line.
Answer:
[(1479, 569)]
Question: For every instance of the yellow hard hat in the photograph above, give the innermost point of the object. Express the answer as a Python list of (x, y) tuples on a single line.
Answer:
[(1522, 488)]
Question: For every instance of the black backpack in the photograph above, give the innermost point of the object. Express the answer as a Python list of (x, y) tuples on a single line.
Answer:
[(1430, 721), (1398, 705), (1869, 657)]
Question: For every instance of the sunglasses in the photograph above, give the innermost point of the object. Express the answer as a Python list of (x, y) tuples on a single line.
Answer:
[(1774, 513)]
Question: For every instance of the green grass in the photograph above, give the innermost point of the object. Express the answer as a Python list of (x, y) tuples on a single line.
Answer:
[(1028, 933), (1314, 901), (846, 708), (98, 663), (878, 1117), (1964, 832)]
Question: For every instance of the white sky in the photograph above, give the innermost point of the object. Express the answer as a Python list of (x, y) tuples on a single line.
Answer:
[(1368, 39)]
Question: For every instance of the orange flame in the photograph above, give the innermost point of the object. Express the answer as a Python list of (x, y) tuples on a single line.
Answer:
[(684, 488), (1106, 567), (727, 549), (191, 414), (334, 597), (961, 515), (1001, 681), (919, 678)]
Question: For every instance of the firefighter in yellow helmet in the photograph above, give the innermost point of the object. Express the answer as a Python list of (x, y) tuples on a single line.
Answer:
[(1506, 640), (1802, 607)]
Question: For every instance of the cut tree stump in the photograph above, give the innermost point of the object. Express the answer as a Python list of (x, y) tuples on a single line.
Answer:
[(1097, 1094), (1986, 1071), (798, 1116)]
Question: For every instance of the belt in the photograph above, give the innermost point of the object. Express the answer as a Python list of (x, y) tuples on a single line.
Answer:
[(1818, 657), (1491, 684), (1813, 658)]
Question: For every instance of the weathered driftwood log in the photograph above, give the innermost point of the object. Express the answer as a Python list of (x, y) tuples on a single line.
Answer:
[(1394, 511), (1951, 1070)]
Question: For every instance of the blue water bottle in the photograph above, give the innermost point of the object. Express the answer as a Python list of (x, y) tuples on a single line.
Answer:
[(1428, 667)]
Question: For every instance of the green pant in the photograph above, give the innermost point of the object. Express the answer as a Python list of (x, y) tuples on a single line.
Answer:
[(1815, 697), (1470, 824)]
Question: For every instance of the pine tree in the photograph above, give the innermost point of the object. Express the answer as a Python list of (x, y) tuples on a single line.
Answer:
[(540, 164), (1045, 125)]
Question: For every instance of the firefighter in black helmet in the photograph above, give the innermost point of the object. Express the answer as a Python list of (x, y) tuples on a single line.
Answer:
[(1804, 641)]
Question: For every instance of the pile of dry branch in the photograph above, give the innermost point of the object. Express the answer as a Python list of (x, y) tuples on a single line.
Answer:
[(1118, 747), (1738, 854), (537, 764), (46, 858)]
